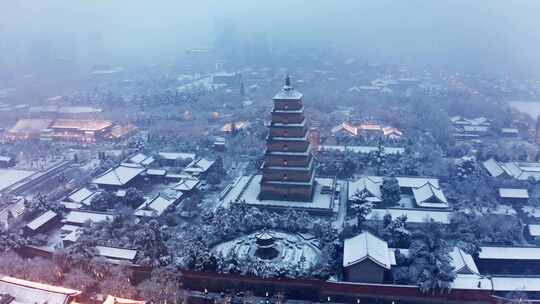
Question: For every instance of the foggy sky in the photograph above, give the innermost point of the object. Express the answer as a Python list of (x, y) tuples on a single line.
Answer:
[(486, 36)]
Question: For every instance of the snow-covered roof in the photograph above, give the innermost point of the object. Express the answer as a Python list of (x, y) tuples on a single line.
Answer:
[(478, 129), (5, 158), (187, 184), (77, 217), (429, 196), (521, 170), (534, 229), (414, 182), (85, 125), (138, 158), (10, 177), (119, 176), (178, 175), (509, 253), (176, 155), (141, 159), (366, 246), (71, 205), (199, 166), (387, 131), (155, 206), (352, 130), (27, 292), (148, 161), (512, 169), (463, 262), (365, 184), (82, 195), (478, 121), (492, 167), (455, 119), (513, 193), (72, 236), (409, 181), (156, 172), (510, 130), (41, 220), (116, 253)]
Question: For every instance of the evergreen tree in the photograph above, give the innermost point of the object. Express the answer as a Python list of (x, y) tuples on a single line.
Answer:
[(391, 193), (431, 268)]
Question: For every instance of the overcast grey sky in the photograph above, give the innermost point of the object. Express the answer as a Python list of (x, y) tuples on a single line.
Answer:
[(486, 35)]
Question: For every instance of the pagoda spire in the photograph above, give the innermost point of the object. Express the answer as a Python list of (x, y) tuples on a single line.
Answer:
[(287, 86)]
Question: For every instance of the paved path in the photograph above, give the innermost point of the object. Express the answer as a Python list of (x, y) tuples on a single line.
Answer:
[(342, 211)]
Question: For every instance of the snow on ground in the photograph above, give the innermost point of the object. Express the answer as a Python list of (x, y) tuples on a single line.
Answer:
[(501, 209), (249, 191), (532, 211), (416, 216)]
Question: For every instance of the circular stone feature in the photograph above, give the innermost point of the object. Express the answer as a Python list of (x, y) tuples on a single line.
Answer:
[(281, 248)]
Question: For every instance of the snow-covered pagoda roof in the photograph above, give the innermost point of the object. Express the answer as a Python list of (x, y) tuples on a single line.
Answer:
[(264, 235), (288, 92)]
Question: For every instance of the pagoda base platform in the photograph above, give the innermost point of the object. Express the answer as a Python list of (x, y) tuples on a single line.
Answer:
[(246, 190)]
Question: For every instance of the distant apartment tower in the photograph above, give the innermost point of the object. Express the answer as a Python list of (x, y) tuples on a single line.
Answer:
[(200, 60), (288, 165), (537, 132)]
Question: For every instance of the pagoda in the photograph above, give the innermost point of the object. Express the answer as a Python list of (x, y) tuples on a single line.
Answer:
[(288, 168)]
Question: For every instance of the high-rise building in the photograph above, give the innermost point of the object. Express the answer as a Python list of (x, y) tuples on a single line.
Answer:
[(288, 169), (537, 133)]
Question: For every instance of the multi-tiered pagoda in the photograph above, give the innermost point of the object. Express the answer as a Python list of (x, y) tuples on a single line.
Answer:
[(288, 165)]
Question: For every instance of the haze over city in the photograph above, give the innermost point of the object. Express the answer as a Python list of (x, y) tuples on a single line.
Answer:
[(491, 36)]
